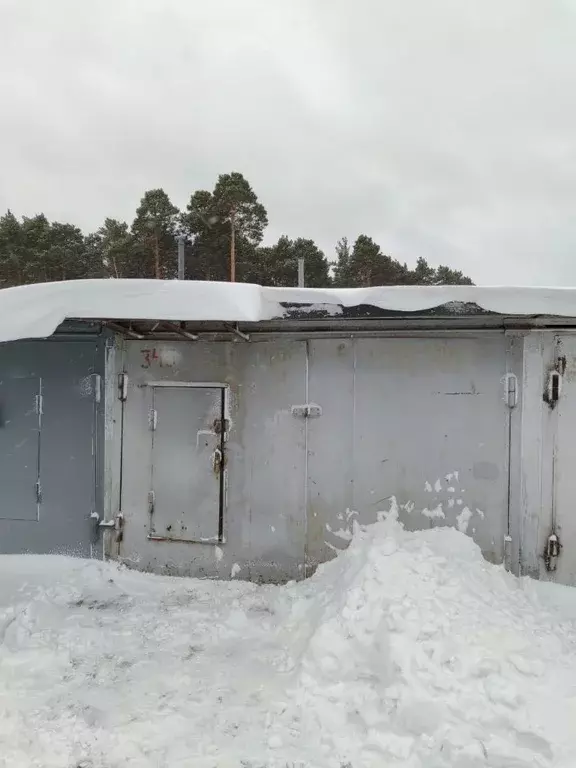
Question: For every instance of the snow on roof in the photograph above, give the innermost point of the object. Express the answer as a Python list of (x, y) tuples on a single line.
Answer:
[(35, 311)]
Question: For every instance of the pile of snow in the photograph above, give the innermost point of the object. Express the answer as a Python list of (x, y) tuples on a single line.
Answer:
[(35, 311), (413, 651), (406, 650)]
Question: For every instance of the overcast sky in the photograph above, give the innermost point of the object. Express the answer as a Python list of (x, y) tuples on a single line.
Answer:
[(442, 128)]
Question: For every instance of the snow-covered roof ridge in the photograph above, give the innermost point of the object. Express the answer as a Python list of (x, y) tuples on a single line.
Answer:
[(35, 311)]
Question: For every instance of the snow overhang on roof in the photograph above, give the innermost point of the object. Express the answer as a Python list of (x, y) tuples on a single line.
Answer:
[(36, 311)]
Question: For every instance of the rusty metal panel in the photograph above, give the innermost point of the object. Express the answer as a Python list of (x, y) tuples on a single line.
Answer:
[(187, 463), (423, 420)]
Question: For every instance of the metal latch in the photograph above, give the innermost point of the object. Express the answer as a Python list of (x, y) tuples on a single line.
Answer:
[(553, 388), (101, 523), (217, 461), (116, 525), (555, 376), (552, 552), (307, 411)]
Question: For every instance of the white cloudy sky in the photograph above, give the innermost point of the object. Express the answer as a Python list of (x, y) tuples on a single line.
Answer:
[(443, 128)]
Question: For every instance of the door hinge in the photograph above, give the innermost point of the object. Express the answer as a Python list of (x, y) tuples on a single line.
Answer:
[(307, 411), (38, 488), (123, 386), (221, 427), (151, 502), (97, 387), (39, 405), (511, 390), (153, 419)]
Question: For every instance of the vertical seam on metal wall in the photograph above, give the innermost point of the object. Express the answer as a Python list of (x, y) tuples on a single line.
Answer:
[(306, 400), (39, 453), (353, 458), (122, 424), (152, 432), (508, 352), (222, 478)]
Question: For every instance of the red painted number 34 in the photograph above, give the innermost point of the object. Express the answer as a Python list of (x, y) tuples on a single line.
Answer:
[(149, 355)]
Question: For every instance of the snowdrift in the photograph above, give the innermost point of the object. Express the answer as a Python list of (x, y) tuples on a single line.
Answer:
[(413, 651), (406, 650)]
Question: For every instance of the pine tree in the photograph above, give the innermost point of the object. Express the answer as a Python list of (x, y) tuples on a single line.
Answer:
[(447, 276), (11, 251), (224, 227), (423, 273), (365, 262), (154, 230), (342, 268), (229, 221), (117, 249)]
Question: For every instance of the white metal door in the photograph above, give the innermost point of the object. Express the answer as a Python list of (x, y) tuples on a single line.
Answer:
[(187, 471)]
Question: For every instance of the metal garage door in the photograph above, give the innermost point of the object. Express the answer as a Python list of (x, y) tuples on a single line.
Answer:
[(50, 446), (421, 419)]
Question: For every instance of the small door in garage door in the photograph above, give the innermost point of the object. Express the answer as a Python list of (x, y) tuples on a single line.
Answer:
[(187, 472)]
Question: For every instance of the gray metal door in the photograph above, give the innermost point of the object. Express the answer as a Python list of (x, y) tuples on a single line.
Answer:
[(423, 420), (56, 441), (20, 423), (187, 473)]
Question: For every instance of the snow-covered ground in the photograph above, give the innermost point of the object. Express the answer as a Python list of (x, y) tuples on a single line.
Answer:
[(407, 650)]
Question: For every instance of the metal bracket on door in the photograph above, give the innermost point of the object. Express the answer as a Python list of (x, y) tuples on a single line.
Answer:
[(153, 419), (123, 387), (97, 387), (511, 390), (106, 525), (307, 411)]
